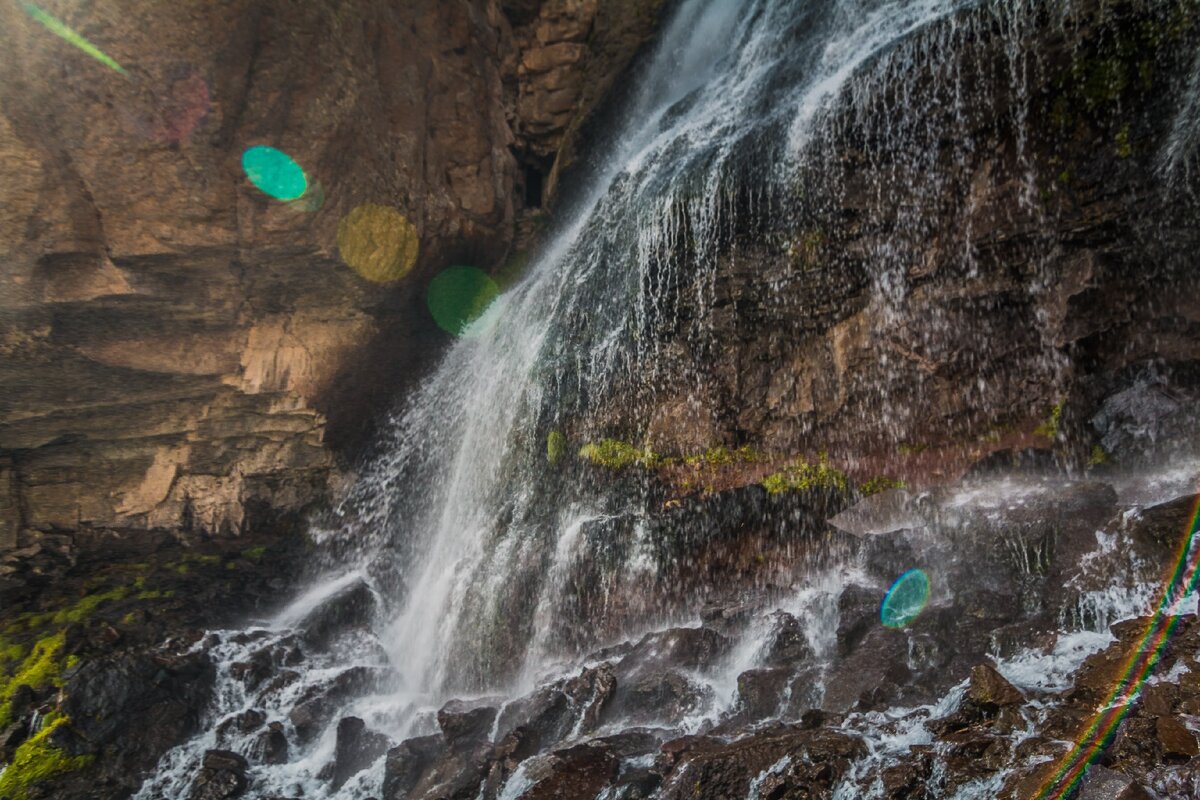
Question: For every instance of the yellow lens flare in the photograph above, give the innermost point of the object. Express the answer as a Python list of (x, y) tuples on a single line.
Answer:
[(58, 27)]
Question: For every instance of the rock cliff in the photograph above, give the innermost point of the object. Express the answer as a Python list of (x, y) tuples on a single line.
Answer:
[(179, 352)]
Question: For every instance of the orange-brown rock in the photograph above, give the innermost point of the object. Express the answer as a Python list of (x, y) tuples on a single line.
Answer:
[(180, 351)]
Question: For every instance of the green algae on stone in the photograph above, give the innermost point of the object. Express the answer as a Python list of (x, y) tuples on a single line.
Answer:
[(556, 446), (879, 484), (803, 476), (38, 760), (42, 668), (615, 454), (1050, 428)]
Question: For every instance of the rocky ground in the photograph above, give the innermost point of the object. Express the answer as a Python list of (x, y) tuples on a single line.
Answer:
[(1020, 570)]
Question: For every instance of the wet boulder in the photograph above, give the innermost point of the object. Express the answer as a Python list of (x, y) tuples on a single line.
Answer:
[(461, 721), (676, 648), (318, 704), (581, 771), (271, 745), (554, 711), (1100, 783), (788, 645), (357, 748), (991, 691), (406, 764), (760, 693), (660, 697), (222, 776), (349, 608)]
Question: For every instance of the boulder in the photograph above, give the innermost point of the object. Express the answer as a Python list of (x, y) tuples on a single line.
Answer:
[(991, 690), (1100, 783), (357, 748), (222, 776), (464, 722)]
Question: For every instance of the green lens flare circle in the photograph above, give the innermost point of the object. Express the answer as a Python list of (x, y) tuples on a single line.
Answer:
[(274, 172), (905, 600), (458, 296)]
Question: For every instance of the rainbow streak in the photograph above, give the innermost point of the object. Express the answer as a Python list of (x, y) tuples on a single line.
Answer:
[(1141, 663), (60, 28)]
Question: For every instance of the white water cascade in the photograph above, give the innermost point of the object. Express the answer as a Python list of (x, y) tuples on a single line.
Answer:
[(472, 545)]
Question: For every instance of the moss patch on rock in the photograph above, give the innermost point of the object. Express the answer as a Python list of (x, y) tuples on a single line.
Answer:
[(615, 454), (803, 476), (38, 760)]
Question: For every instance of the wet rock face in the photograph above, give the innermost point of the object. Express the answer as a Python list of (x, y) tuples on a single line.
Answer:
[(204, 343), (952, 298)]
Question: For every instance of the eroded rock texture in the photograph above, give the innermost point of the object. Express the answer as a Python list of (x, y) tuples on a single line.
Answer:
[(182, 352)]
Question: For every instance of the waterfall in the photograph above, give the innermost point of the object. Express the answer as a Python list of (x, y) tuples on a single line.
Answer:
[(464, 511), (492, 566)]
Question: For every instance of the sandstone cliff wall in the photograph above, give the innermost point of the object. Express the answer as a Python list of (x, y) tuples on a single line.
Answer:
[(179, 351)]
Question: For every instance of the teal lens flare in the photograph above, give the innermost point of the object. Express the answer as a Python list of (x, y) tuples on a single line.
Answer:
[(905, 600), (274, 172)]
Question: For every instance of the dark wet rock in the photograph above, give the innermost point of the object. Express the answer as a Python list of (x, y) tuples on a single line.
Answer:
[(407, 762), (760, 693), (1176, 738), (352, 607), (551, 712), (131, 708), (581, 771), (243, 723), (318, 704), (455, 775), (1141, 420), (1100, 783), (676, 648), (870, 677), (221, 776), (357, 748), (271, 745), (465, 722), (809, 761), (858, 612), (991, 690), (663, 697), (788, 646)]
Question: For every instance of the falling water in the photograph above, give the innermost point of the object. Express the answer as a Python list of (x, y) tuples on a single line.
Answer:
[(471, 542)]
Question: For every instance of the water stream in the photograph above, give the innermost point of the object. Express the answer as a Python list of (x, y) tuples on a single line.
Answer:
[(471, 544)]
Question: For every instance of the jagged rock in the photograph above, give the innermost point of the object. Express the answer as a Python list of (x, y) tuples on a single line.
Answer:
[(789, 645), (989, 689), (581, 771), (356, 749), (660, 697), (222, 776), (271, 745), (1100, 783), (352, 607), (464, 722), (760, 692), (677, 648), (1176, 738), (406, 763), (318, 704)]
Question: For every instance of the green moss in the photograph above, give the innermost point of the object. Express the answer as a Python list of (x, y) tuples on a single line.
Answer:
[(880, 484), (254, 553), (803, 476), (556, 446), (721, 456), (615, 454), (36, 761), (1099, 456), (85, 607), (1050, 428), (154, 594), (10, 652), (911, 449), (40, 669)]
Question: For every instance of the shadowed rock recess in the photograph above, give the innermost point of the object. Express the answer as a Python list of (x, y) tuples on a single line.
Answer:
[(834, 434)]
